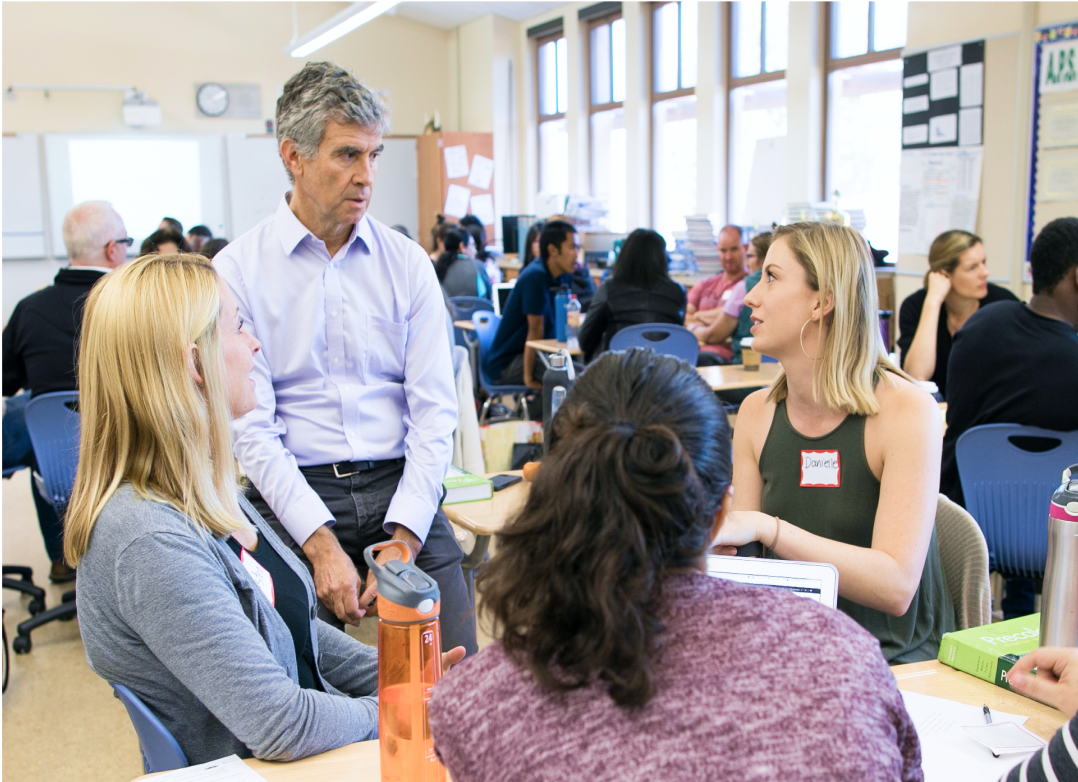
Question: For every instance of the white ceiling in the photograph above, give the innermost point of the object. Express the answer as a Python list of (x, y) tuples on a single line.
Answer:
[(449, 13)]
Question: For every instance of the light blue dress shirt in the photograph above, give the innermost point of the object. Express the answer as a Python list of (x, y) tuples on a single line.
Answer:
[(354, 366)]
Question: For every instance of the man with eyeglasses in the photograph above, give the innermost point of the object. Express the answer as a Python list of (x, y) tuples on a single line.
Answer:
[(40, 341)]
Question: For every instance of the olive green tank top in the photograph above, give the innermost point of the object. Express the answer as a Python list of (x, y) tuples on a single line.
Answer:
[(824, 486)]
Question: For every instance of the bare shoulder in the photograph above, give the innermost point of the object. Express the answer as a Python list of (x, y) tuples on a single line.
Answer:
[(755, 415), (902, 402)]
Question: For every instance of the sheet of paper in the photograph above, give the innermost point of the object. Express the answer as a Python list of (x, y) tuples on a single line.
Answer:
[(948, 57), (939, 189), (948, 753), (456, 201), (969, 127), (972, 85), (943, 129), (456, 161), (230, 769), (1005, 738), (483, 208), (915, 134), (915, 81), (482, 172), (915, 104), (1057, 176), (944, 84), (1059, 125)]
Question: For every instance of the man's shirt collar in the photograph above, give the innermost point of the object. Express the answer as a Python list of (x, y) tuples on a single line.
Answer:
[(291, 231)]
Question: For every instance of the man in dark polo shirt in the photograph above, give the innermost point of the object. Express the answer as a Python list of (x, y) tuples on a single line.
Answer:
[(529, 312), (1015, 363), (40, 343)]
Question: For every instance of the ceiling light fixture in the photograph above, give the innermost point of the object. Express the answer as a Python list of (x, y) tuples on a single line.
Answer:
[(343, 23)]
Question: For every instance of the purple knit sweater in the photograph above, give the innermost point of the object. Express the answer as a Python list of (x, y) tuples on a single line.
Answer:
[(752, 684)]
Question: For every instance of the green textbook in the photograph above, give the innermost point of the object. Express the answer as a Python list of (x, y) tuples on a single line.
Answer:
[(989, 651), (462, 486)]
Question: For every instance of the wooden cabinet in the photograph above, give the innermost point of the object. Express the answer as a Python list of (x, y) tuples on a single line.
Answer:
[(433, 179)]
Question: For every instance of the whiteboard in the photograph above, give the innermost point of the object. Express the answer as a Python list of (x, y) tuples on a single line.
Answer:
[(24, 205), (257, 180)]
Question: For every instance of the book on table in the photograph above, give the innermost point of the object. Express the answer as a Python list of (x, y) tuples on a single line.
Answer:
[(463, 486), (989, 651)]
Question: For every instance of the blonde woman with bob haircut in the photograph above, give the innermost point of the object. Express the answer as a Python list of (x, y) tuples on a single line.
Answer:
[(186, 595), (838, 461)]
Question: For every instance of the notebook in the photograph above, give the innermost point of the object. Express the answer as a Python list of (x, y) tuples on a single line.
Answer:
[(812, 580)]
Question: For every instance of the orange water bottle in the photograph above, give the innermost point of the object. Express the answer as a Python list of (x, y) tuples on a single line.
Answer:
[(409, 663)]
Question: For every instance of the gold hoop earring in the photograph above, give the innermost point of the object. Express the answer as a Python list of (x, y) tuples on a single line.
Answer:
[(801, 339)]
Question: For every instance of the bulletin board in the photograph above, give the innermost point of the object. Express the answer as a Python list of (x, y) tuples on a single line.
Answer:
[(456, 178), (1053, 184)]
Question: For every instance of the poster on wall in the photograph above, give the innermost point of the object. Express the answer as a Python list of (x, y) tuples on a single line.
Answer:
[(943, 97), (940, 190)]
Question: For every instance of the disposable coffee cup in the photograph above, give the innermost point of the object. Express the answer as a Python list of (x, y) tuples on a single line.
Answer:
[(750, 359)]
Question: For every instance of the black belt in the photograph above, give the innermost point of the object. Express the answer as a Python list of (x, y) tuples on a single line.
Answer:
[(345, 469)]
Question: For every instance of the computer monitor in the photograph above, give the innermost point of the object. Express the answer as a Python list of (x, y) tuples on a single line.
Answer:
[(501, 296)]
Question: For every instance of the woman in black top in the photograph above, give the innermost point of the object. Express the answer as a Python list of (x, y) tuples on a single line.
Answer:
[(956, 286), (639, 291)]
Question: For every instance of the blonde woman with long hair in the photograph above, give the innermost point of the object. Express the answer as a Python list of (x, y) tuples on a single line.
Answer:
[(955, 286), (838, 461), (186, 596)]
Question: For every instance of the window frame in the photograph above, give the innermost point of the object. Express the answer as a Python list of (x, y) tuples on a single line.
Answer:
[(680, 92), (540, 117), (592, 24)]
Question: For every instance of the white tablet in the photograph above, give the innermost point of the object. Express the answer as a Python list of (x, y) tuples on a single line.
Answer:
[(814, 580)]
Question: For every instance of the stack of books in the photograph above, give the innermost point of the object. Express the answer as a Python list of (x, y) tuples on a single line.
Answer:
[(463, 486), (702, 244), (989, 651)]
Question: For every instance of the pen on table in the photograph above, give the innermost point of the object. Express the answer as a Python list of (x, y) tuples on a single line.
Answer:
[(988, 721)]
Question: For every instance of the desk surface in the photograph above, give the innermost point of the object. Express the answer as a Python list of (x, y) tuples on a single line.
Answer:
[(551, 346), (487, 517), (467, 325), (731, 376), (360, 762)]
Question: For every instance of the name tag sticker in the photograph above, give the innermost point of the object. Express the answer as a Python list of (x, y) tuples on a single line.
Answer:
[(258, 574), (820, 469)]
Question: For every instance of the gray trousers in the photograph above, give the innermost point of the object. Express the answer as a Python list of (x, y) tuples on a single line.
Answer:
[(359, 503)]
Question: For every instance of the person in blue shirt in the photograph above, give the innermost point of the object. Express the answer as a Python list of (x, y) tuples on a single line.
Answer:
[(529, 312)]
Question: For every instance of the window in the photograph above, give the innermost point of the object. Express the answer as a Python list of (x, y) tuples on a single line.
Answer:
[(759, 52), (674, 59), (606, 41), (553, 85), (864, 113)]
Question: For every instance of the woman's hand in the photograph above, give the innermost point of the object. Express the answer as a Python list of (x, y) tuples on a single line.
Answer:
[(741, 528), (452, 657), (1056, 682), (939, 285)]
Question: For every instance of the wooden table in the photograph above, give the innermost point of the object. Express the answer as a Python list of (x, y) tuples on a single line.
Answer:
[(360, 762), (484, 518), (731, 376), (467, 325), (551, 346)]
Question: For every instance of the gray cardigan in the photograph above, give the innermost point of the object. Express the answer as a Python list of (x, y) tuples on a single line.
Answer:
[(170, 612)]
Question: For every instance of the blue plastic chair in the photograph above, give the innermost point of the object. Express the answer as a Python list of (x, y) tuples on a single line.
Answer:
[(160, 750), (52, 421), (466, 306), (1008, 489), (666, 338), (486, 327)]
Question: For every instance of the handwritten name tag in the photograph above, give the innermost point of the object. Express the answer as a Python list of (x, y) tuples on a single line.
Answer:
[(821, 469), (259, 575)]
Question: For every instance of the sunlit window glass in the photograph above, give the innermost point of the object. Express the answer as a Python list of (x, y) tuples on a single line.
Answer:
[(554, 156), (849, 28), (563, 76), (548, 79), (864, 145), (757, 111), (617, 57), (674, 196), (689, 16), (777, 32), (746, 24), (889, 25), (608, 169), (600, 65), (666, 47)]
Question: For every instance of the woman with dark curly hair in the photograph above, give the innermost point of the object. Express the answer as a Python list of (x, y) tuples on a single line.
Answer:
[(620, 658)]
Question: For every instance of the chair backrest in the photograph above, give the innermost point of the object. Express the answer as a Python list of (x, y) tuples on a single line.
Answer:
[(964, 558), (486, 327), (666, 338), (160, 750), (1008, 473), (467, 305), (53, 422)]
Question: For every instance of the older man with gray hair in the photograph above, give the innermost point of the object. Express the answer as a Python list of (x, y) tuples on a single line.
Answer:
[(352, 433), (40, 341)]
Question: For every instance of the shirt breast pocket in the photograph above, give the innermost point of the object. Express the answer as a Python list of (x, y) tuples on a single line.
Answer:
[(387, 344)]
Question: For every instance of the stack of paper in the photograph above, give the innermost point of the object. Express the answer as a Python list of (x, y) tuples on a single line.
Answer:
[(702, 244), (230, 769)]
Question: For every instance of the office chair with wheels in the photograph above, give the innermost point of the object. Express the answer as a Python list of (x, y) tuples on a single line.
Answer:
[(25, 576), (486, 327), (160, 750), (676, 341), (1008, 473), (53, 423)]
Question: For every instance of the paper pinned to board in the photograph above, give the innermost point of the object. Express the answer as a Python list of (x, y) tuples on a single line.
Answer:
[(915, 104), (482, 172), (944, 84), (969, 127), (972, 78), (943, 129), (230, 769), (456, 201), (948, 57), (456, 161), (1059, 125), (947, 751), (1057, 175), (939, 189), (483, 208)]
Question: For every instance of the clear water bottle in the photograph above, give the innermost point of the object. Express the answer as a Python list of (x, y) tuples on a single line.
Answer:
[(1059, 597), (572, 323)]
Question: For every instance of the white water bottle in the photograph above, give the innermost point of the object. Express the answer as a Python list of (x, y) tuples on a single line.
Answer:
[(572, 324)]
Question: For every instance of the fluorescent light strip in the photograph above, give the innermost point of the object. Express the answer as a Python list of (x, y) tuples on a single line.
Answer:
[(353, 20)]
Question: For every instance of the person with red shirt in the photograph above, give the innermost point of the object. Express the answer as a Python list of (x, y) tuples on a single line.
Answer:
[(706, 299)]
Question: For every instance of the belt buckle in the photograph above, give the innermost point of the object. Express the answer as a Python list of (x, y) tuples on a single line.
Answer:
[(343, 475)]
